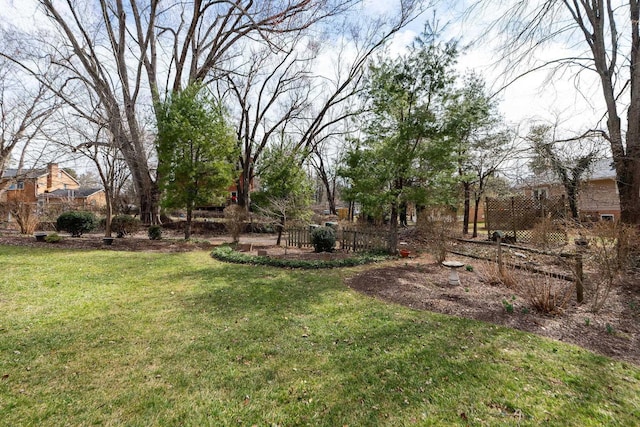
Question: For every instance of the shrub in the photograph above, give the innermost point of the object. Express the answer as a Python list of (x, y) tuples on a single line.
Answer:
[(436, 226), (124, 224), (547, 233), (543, 294), (323, 239), (235, 217), (25, 214), (76, 222), (53, 238), (610, 252), (491, 273), (155, 232)]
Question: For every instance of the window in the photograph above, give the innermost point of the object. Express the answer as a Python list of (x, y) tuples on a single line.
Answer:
[(607, 217), (17, 186), (540, 193)]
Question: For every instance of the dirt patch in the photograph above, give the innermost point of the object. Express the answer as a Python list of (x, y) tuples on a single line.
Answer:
[(423, 285), (130, 243)]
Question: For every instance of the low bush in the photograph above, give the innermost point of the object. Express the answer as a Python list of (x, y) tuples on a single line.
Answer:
[(53, 238), (227, 254), (125, 224), (543, 294), (323, 239), (235, 217), (490, 273), (76, 222), (154, 232)]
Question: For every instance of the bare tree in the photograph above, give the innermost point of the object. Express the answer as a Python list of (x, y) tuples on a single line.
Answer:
[(95, 143), (293, 91), (25, 107), (568, 159), (129, 54), (267, 93), (606, 36)]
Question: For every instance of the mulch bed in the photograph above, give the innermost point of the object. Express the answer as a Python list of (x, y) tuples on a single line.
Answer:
[(421, 284)]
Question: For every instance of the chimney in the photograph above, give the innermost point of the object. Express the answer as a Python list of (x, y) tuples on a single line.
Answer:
[(52, 174)]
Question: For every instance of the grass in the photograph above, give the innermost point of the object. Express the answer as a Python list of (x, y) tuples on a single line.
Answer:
[(138, 339)]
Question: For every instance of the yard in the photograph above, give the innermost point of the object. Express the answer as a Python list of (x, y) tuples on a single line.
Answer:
[(175, 337)]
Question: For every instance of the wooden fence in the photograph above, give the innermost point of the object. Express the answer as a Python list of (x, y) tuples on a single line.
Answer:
[(348, 239), (364, 239), (299, 237)]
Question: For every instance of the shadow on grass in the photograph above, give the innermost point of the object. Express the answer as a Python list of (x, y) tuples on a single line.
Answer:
[(338, 355), (187, 340)]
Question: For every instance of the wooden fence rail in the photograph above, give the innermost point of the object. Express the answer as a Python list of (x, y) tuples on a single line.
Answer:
[(348, 239)]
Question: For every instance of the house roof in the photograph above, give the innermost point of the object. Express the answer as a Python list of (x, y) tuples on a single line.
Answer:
[(32, 173), (76, 193), (601, 169), (24, 173)]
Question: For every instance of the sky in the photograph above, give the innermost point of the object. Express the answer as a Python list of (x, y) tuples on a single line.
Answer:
[(531, 98), (528, 99)]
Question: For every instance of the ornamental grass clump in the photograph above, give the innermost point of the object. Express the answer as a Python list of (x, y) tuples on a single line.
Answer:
[(323, 239)]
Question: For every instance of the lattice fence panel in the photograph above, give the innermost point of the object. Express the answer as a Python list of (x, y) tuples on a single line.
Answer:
[(528, 220)]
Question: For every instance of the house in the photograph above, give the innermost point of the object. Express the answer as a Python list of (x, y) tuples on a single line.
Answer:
[(598, 198), (51, 189)]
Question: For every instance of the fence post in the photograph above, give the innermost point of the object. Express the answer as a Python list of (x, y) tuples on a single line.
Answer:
[(513, 219), (355, 241), (487, 216), (500, 267), (579, 279)]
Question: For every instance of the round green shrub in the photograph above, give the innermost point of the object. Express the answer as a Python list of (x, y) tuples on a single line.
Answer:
[(124, 224), (155, 232), (76, 222), (323, 239)]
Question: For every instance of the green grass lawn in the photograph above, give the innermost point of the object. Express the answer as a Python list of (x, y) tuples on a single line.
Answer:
[(139, 339)]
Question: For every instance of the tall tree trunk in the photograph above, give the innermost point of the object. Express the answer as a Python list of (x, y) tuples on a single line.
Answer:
[(244, 186), (572, 196), (187, 225), (280, 230), (393, 228), (467, 207), (629, 174), (475, 217), (109, 214)]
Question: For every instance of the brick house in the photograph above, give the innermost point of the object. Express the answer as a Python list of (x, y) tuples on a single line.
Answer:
[(51, 189), (598, 197)]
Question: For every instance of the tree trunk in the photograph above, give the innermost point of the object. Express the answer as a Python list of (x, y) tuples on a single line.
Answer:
[(393, 228), (572, 196), (187, 225), (280, 229), (475, 217), (109, 213), (467, 207), (403, 214), (244, 186)]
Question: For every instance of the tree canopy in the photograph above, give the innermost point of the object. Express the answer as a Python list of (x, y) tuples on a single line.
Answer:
[(196, 151), (404, 151)]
